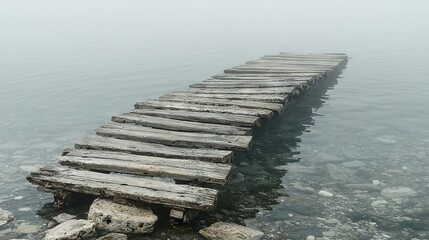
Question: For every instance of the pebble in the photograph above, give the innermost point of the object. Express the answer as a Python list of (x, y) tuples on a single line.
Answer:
[(379, 203), (4, 217), (398, 192), (375, 182), (304, 189), (332, 221), (329, 233), (364, 186), (26, 228), (72, 229), (310, 238), (18, 197), (325, 193), (353, 164), (25, 209)]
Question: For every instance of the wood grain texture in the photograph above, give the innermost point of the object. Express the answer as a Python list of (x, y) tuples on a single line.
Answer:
[(203, 117), (179, 125), (278, 98), (152, 149), (180, 169), (174, 138), (125, 186)]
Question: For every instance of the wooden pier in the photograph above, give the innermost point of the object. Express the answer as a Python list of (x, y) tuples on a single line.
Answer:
[(163, 149)]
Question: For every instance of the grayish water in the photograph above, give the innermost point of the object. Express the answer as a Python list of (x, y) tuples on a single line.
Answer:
[(66, 67)]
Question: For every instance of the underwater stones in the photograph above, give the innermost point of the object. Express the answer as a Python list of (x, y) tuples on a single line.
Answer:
[(324, 157), (230, 231), (72, 229), (113, 236), (325, 193), (362, 186), (113, 217), (63, 217), (26, 228), (398, 192), (379, 203), (353, 164), (336, 173), (4, 217), (303, 188)]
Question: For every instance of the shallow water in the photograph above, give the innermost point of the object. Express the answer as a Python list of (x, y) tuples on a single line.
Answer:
[(65, 68)]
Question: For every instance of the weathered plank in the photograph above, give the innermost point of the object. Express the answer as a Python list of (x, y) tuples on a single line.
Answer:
[(289, 62), (262, 76), (152, 149), (180, 169), (153, 104), (268, 67), (179, 125), (245, 84), (262, 71), (283, 90), (279, 98), (260, 80), (174, 138), (203, 117), (125, 186), (223, 102)]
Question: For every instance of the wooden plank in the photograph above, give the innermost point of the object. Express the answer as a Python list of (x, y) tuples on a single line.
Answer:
[(154, 104), (174, 138), (125, 186), (179, 125), (277, 90), (285, 67), (260, 80), (290, 62), (180, 169), (223, 102), (262, 76), (152, 149), (244, 85), (279, 98), (262, 71), (203, 117)]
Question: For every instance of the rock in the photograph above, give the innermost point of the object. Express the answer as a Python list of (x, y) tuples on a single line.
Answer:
[(379, 203), (4, 217), (113, 236), (385, 140), (363, 186), (310, 238), (332, 221), (230, 231), (113, 217), (25, 209), (398, 192), (304, 189), (325, 193), (353, 164), (375, 182), (329, 233), (64, 217), (336, 173), (345, 228), (51, 224), (72, 229), (26, 228)]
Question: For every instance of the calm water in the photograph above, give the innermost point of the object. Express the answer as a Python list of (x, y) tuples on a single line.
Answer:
[(66, 67)]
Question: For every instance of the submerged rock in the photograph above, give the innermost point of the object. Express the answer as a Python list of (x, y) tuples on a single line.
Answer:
[(113, 217), (4, 217), (26, 228), (113, 236), (325, 193), (336, 173), (72, 229), (64, 217), (230, 231), (398, 192), (363, 186)]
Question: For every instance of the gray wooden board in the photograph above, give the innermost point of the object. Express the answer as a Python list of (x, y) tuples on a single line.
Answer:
[(224, 102), (323, 55), (262, 75), (280, 71), (276, 90), (269, 80), (174, 138), (180, 125), (280, 62), (154, 104), (153, 149), (244, 85), (203, 117), (180, 169), (279, 98), (125, 186), (303, 68)]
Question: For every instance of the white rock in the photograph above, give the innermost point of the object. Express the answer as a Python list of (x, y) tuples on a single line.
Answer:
[(26, 228), (375, 182), (398, 192), (379, 203), (332, 221), (303, 188), (325, 193), (113, 236), (4, 217), (310, 238), (72, 229), (63, 217), (230, 231), (18, 197), (113, 217), (25, 209)]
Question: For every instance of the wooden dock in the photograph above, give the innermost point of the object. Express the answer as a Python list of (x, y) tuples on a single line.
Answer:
[(163, 149)]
